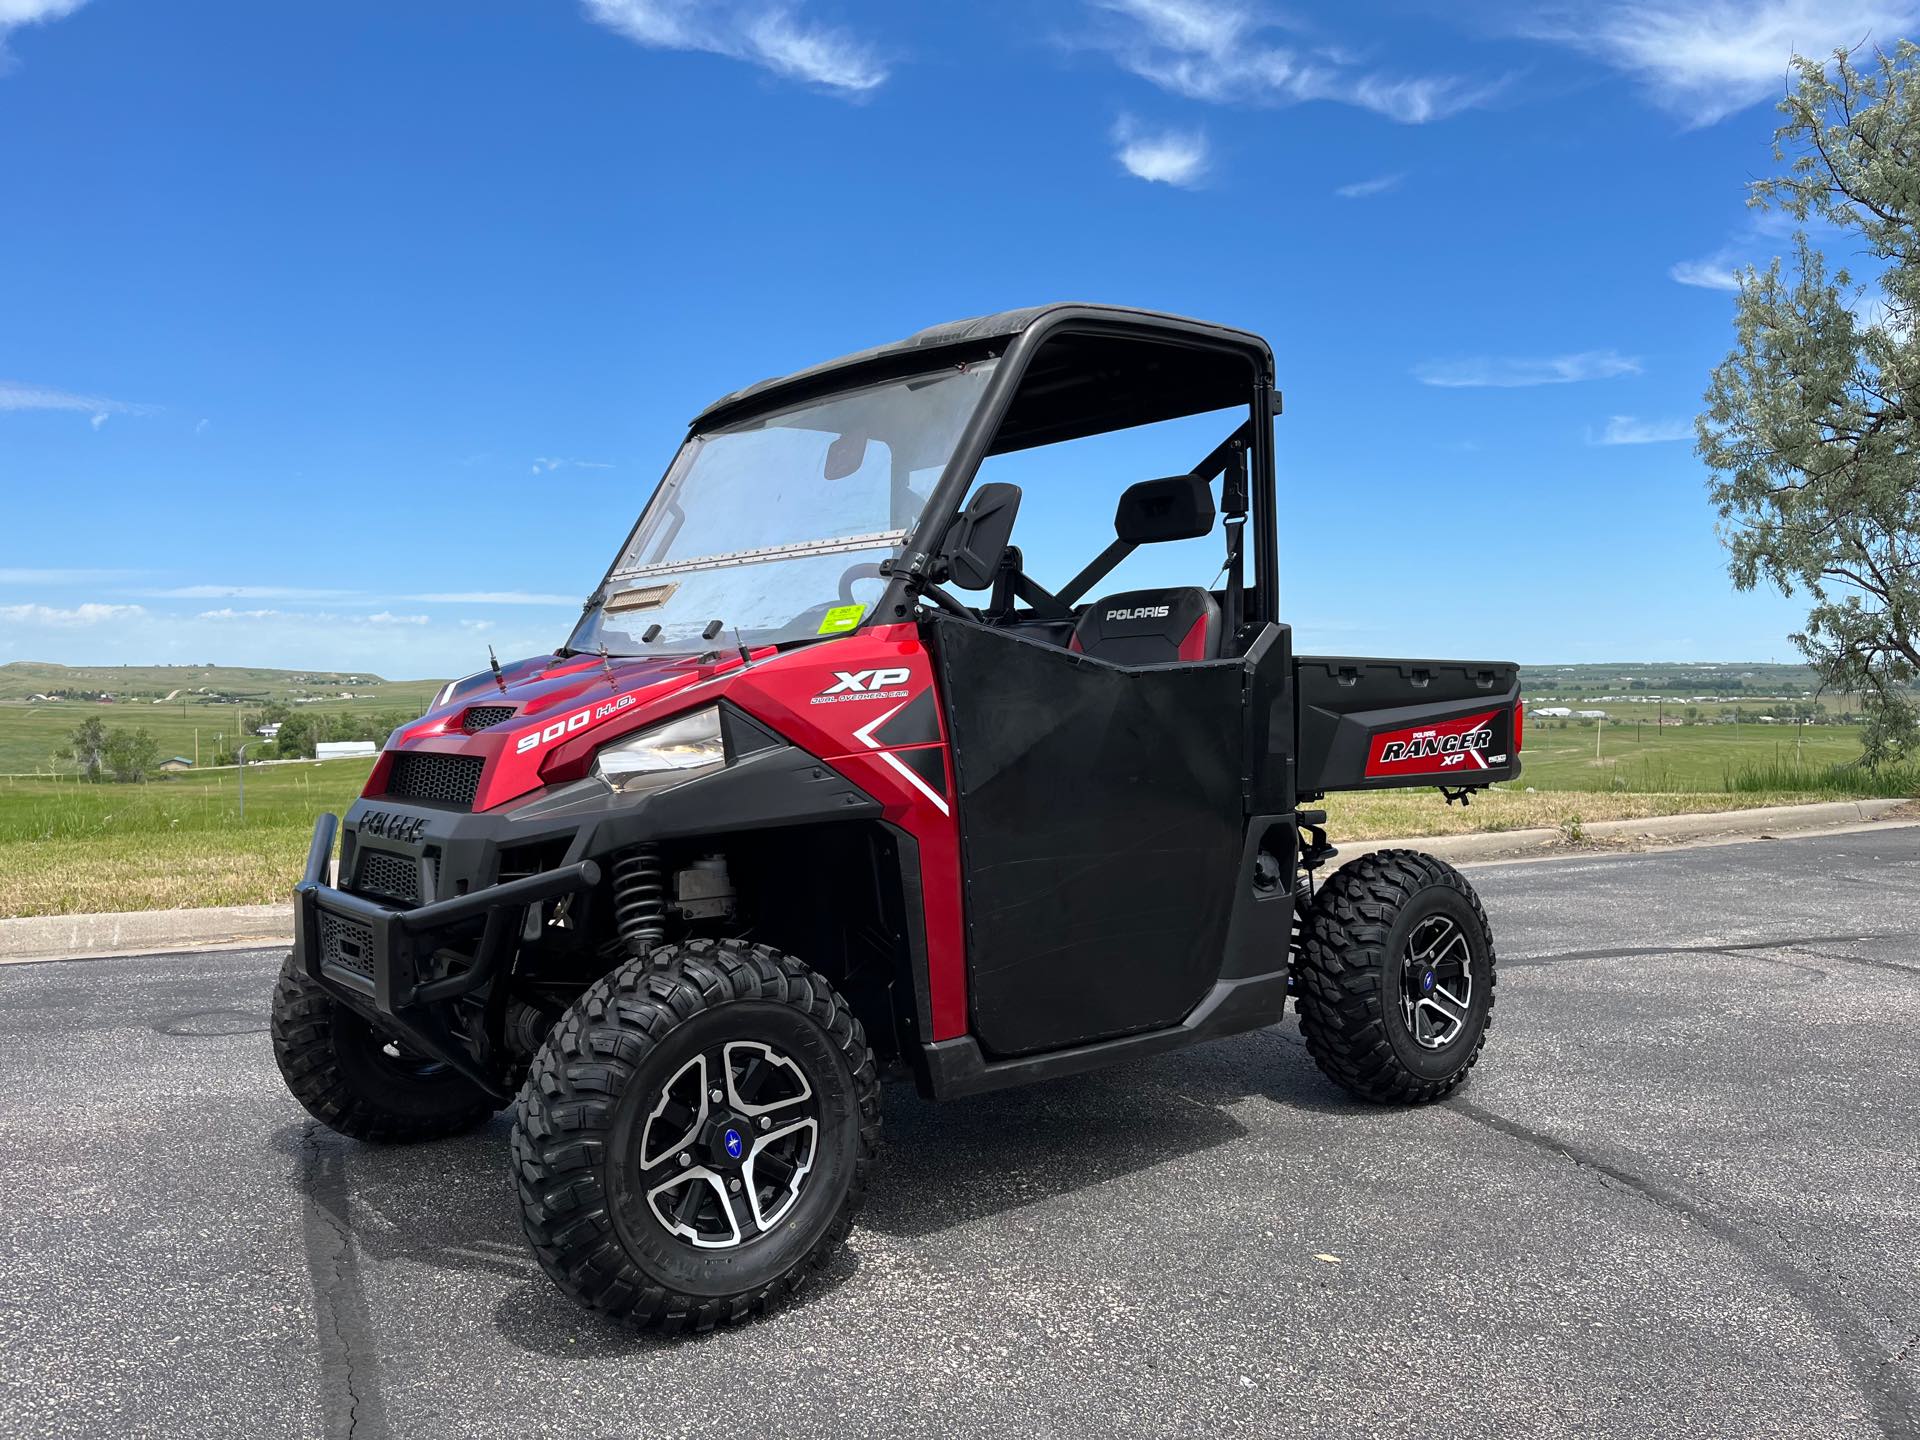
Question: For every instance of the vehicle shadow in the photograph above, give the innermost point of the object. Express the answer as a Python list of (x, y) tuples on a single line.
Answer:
[(451, 1204)]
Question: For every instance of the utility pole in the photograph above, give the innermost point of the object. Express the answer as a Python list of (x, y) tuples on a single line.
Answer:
[(1599, 726), (240, 779)]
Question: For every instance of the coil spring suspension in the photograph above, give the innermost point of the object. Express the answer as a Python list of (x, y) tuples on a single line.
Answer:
[(640, 898)]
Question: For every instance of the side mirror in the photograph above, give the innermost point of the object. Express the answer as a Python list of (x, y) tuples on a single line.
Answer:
[(979, 534)]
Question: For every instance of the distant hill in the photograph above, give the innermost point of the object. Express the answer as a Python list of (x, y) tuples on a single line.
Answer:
[(203, 684)]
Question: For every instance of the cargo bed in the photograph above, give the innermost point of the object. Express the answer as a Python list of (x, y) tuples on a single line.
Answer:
[(1371, 724)]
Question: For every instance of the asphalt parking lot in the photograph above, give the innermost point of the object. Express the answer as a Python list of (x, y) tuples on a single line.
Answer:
[(1681, 1195)]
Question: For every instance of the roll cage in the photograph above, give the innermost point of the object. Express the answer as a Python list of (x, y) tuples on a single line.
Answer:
[(1066, 372)]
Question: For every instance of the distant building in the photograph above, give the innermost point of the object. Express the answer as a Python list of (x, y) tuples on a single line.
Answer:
[(344, 749), (269, 730), (1590, 715), (1550, 712), (174, 764)]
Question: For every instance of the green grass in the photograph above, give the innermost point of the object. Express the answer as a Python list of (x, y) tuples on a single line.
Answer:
[(30, 733), (68, 847), (1664, 759)]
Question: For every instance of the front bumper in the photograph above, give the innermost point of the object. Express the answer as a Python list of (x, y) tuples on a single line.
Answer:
[(379, 959)]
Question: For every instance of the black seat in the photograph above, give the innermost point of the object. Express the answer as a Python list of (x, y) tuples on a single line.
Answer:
[(1150, 627)]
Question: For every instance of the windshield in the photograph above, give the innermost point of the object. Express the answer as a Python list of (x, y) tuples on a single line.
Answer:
[(775, 527)]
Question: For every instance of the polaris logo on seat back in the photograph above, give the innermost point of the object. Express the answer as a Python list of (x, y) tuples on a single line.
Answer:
[(1141, 612)]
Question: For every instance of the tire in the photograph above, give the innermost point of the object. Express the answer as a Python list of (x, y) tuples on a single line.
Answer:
[(613, 1205), (1359, 975), (354, 1080)]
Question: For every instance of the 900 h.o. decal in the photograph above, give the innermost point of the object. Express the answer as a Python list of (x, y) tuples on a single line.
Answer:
[(571, 724), (1466, 744)]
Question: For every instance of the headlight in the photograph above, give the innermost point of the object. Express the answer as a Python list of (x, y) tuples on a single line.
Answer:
[(677, 750)]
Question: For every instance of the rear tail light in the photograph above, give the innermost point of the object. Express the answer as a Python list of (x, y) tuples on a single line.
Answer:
[(1519, 726)]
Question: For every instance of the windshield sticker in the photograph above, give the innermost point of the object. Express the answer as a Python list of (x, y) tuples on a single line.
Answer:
[(841, 618)]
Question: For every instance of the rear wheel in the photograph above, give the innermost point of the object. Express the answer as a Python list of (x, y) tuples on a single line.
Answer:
[(358, 1081), (1396, 977), (695, 1135)]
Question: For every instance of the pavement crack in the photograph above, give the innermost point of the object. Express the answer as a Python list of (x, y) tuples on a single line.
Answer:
[(349, 1372), (1888, 1391), (1742, 948), (1867, 960)]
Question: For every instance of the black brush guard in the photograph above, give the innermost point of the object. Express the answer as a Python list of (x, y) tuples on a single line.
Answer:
[(373, 957)]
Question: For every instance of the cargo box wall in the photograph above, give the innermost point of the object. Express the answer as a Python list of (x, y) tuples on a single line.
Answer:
[(1369, 724)]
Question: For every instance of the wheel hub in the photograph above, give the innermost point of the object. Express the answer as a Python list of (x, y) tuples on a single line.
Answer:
[(1436, 983), (729, 1143)]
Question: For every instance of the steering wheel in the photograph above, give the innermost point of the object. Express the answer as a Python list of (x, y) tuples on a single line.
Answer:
[(866, 570)]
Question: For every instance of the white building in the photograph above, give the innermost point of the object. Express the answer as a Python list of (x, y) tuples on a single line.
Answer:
[(344, 749)]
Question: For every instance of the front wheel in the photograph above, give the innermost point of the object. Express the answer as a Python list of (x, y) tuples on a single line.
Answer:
[(1396, 976), (359, 1081), (694, 1137)]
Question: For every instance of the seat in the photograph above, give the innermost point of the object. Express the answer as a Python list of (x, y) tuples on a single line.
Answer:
[(1150, 627)]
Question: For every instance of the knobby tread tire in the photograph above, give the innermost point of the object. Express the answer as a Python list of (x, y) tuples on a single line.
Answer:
[(1341, 975), (304, 1044), (565, 1110)]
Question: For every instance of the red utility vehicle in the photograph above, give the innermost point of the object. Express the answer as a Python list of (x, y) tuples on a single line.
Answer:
[(785, 811)]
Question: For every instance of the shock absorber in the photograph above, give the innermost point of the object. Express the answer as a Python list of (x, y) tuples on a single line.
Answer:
[(640, 898)]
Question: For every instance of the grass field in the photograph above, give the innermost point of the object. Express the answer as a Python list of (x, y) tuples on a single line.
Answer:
[(68, 847), (29, 734)]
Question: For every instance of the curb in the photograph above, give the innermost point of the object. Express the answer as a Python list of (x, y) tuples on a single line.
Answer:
[(151, 932), (1721, 827), (143, 932)]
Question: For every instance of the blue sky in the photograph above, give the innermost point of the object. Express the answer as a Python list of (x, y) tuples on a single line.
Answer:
[(355, 334)]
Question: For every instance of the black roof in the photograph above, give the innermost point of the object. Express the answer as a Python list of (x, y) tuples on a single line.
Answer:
[(976, 331)]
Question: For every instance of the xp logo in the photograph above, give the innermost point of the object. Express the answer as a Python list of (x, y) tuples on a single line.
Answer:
[(864, 685), (864, 680), (734, 1143)]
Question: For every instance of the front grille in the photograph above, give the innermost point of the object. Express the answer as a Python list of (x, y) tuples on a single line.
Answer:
[(485, 717), (423, 775), (345, 944), (395, 876)]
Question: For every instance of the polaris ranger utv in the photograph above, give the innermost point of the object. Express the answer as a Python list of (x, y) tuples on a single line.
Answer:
[(785, 811)]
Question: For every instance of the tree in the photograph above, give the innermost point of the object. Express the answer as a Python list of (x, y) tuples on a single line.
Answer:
[(84, 747), (295, 738), (1811, 427), (130, 754)]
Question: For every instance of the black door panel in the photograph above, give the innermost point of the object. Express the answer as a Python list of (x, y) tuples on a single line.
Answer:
[(1101, 820)]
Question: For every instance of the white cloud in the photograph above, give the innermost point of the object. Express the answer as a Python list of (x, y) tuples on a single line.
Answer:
[(494, 597), (1626, 430), (767, 33), (1704, 59), (1363, 189), (312, 617), (547, 464), (19, 395), (387, 617), (1171, 157), (247, 592), (1507, 373), (89, 614), (1214, 50), (15, 13), (1713, 273)]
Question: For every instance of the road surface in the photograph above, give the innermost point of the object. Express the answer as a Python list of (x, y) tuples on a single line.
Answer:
[(1680, 1195)]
